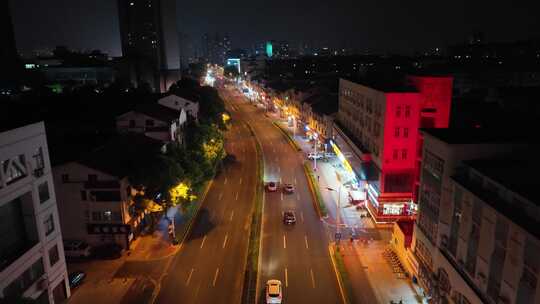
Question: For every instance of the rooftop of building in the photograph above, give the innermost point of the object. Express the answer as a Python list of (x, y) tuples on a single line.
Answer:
[(456, 136), (122, 154), (157, 111)]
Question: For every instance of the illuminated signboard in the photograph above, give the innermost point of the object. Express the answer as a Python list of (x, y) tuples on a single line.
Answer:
[(269, 49), (341, 157), (234, 62)]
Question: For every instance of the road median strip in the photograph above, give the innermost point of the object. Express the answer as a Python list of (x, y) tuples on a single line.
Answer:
[(318, 201), (249, 289), (345, 287), (291, 141)]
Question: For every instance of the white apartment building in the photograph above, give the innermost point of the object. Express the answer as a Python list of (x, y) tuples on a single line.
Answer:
[(178, 103), (32, 263), (443, 156)]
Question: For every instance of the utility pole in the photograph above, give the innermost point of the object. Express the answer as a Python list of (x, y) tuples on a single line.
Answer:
[(315, 155), (338, 213)]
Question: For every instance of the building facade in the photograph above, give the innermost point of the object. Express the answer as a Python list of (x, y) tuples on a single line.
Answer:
[(383, 121), (444, 151), (178, 103), (32, 263), (95, 199), (149, 38)]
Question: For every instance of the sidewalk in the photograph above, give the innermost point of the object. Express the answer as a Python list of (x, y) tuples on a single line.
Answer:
[(371, 276)]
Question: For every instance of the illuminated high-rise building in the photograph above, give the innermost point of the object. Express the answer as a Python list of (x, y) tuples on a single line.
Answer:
[(149, 39)]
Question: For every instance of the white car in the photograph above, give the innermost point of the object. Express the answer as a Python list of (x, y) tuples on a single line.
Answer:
[(312, 155), (273, 292), (76, 249)]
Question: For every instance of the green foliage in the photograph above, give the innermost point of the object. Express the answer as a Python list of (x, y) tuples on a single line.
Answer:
[(211, 107)]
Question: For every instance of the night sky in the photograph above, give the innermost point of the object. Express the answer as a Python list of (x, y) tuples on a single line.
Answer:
[(378, 25)]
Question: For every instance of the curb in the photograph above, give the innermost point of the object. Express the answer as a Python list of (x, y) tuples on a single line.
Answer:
[(338, 276), (291, 141), (316, 201)]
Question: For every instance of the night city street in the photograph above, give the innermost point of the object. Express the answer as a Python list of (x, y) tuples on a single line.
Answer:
[(254, 152)]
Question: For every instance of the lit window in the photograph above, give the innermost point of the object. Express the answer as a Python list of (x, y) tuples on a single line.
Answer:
[(49, 224)]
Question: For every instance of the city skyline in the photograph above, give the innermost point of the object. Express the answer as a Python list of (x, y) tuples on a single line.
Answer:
[(388, 27)]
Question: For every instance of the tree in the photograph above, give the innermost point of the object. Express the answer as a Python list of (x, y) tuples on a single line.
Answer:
[(211, 107)]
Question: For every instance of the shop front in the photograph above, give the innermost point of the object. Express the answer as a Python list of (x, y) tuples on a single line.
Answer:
[(389, 207)]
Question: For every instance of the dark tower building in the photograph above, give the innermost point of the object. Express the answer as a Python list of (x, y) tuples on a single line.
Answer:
[(149, 39), (9, 59)]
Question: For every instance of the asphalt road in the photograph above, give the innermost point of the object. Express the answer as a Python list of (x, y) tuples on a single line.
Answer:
[(296, 255), (210, 266)]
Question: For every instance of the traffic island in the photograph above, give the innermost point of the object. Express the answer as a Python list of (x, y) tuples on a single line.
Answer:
[(249, 290), (318, 201)]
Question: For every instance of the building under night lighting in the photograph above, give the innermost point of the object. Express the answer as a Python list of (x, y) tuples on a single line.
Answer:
[(381, 122), (149, 39)]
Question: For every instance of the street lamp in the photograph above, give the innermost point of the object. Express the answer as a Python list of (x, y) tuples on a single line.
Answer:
[(338, 213)]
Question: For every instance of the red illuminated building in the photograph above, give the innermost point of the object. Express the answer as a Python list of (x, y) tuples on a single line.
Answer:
[(381, 121)]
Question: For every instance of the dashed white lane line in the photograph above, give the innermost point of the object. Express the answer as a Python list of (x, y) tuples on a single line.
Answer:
[(232, 214), (284, 242), (281, 195), (236, 196), (302, 216), (278, 169), (312, 278), (240, 180), (298, 196), (295, 180), (280, 180), (220, 196), (225, 182), (202, 243), (215, 277), (286, 278), (189, 276), (305, 239), (225, 240)]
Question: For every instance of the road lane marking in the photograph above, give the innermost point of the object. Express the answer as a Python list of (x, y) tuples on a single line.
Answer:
[(225, 181), (189, 276), (305, 239), (202, 243), (220, 195), (312, 278), (284, 242), (276, 159), (232, 214), (281, 195), (295, 180), (298, 196), (278, 169), (215, 277), (236, 196), (274, 150), (240, 180), (225, 241), (302, 216), (286, 278), (280, 180)]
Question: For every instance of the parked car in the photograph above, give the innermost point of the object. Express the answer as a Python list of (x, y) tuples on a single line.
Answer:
[(312, 155), (76, 249), (273, 292), (76, 278), (288, 188), (289, 218), (109, 251), (271, 187)]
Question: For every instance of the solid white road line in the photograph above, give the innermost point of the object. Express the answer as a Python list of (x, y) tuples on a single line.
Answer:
[(286, 278), (284, 242), (220, 195), (236, 196), (189, 276), (312, 278), (202, 243), (232, 214), (305, 239), (225, 241), (216, 275)]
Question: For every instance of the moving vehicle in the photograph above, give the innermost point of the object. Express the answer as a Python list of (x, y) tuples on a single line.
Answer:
[(76, 278), (288, 188), (312, 155), (76, 249), (289, 218), (273, 292), (271, 187)]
